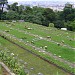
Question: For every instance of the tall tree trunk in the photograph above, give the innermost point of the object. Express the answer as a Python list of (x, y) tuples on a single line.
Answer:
[(2, 7)]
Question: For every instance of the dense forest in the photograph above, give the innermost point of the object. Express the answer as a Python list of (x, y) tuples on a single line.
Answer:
[(39, 15)]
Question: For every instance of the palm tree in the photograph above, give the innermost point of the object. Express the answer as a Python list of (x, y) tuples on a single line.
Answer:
[(2, 3)]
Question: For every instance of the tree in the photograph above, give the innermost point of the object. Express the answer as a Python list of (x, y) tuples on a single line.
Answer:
[(12, 15), (14, 7), (68, 13), (8, 7), (28, 10), (70, 25), (20, 9), (59, 24), (0, 14), (35, 15), (38, 9), (2, 3), (49, 14), (3, 16)]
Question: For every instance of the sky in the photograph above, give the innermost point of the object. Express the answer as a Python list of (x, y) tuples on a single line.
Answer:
[(43, 0)]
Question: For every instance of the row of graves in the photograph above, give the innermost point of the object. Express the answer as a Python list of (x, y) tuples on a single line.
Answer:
[(37, 39), (40, 38), (48, 37)]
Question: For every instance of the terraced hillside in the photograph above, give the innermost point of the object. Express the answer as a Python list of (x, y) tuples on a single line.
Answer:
[(47, 50)]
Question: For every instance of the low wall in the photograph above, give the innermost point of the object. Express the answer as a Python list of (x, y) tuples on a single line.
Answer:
[(5, 69)]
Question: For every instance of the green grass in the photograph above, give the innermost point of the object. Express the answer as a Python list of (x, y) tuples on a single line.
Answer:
[(32, 60), (52, 47), (56, 35), (48, 31), (45, 31), (58, 50)]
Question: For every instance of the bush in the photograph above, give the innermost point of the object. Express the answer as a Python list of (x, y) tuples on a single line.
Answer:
[(8, 59)]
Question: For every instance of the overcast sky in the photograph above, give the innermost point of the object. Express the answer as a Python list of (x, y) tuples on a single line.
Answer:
[(43, 0)]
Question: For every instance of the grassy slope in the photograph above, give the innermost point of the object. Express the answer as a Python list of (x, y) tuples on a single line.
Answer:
[(44, 31), (64, 52), (33, 61), (48, 31)]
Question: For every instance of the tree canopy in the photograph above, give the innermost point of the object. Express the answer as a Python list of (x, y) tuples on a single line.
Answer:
[(39, 15)]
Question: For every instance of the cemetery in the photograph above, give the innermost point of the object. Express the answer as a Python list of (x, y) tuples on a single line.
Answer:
[(38, 46)]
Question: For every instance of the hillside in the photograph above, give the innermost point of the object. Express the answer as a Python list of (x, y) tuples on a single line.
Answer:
[(46, 50)]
